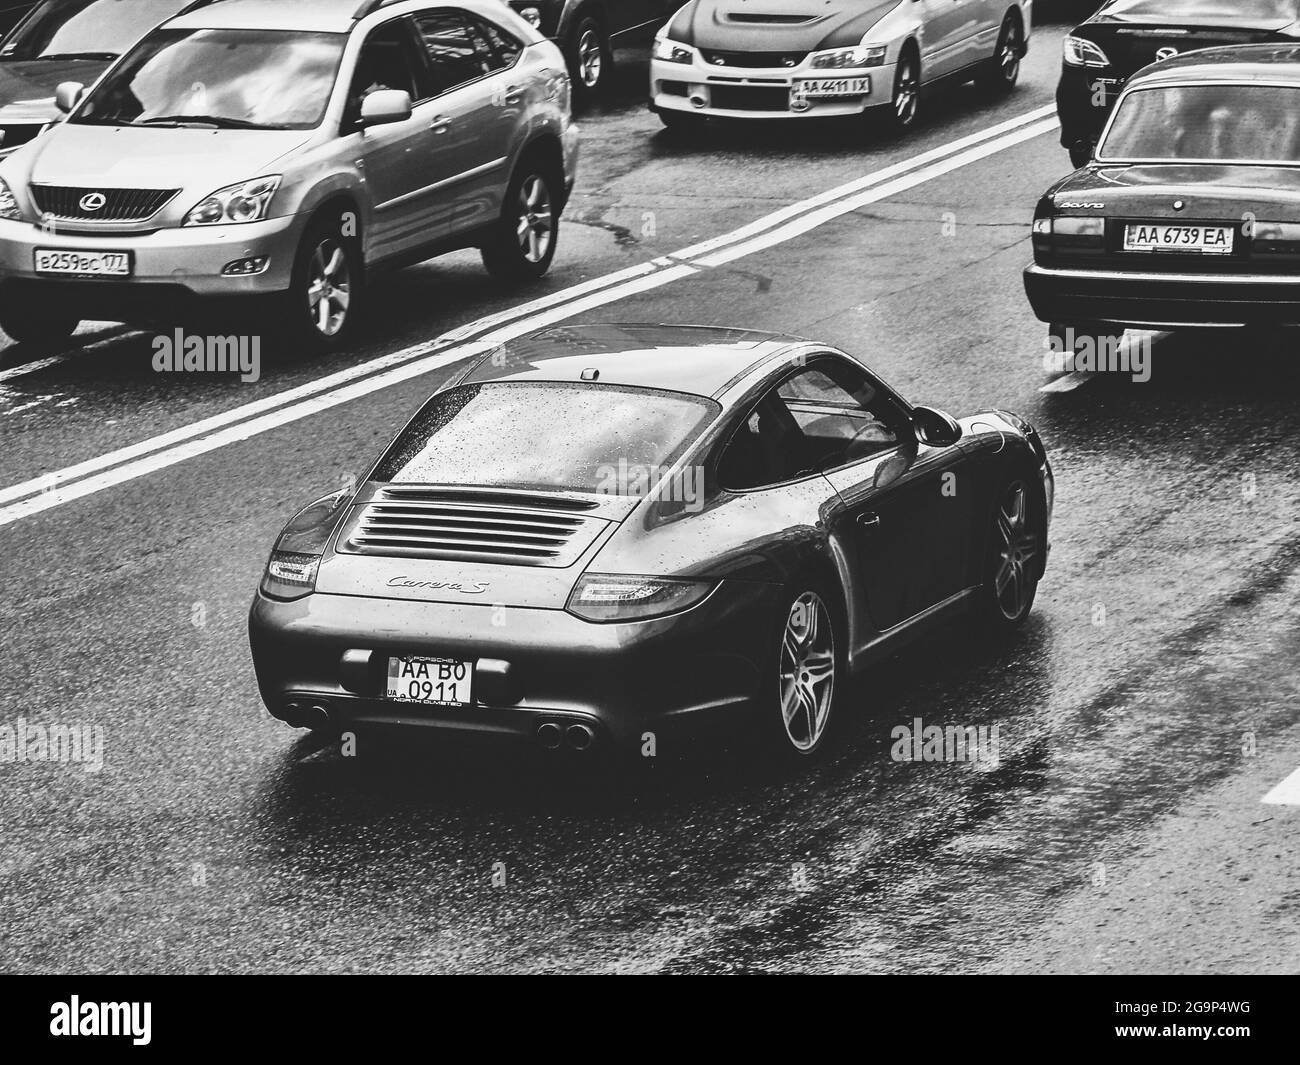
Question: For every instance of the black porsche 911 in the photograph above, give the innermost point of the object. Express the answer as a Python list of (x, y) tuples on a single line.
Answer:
[(598, 532), (1101, 54), (1190, 214)]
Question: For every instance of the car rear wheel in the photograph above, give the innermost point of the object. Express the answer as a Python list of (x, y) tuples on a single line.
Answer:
[(1003, 70), (589, 57), (905, 102), (37, 322), (326, 286), (523, 245), (809, 659), (1016, 543)]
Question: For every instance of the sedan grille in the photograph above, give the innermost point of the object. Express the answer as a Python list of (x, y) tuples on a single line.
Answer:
[(498, 525), (752, 60), (100, 205)]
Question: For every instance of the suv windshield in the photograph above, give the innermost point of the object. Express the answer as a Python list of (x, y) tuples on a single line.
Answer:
[(86, 29), (1243, 123), (253, 79), (585, 438)]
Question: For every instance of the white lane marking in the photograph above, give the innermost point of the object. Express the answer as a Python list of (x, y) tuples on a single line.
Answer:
[(188, 441), (1070, 381), (1285, 794)]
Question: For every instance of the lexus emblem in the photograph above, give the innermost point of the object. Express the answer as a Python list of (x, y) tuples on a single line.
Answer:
[(1166, 53), (92, 201)]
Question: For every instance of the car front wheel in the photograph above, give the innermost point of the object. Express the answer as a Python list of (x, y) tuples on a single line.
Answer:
[(325, 289), (906, 99), (1016, 542), (523, 244), (589, 57), (37, 323)]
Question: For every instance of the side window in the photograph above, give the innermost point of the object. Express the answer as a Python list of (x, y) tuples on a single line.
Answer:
[(456, 53), (817, 419), (387, 60), (504, 45)]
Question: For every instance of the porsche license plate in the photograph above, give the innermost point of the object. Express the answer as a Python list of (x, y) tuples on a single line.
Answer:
[(432, 681), (1195, 240), (83, 263), (829, 88)]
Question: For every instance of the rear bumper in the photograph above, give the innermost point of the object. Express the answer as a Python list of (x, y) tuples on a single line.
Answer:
[(531, 666), (1162, 300)]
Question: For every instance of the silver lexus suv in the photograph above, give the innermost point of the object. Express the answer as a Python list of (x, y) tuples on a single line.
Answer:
[(281, 150)]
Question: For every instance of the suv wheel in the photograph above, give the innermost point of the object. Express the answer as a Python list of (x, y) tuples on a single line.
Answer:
[(523, 243), (590, 58), (37, 323), (323, 296)]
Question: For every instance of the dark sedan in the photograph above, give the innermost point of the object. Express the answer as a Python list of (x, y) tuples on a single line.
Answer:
[(66, 40), (1190, 213), (597, 533), (1125, 35)]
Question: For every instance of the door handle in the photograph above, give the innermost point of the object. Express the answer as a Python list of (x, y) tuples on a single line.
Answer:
[(868, 521), (513, 93), (439, 124)]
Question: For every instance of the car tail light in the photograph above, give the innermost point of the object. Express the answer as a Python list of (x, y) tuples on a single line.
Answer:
[(1069, 234), (291, 569), (1080, 52), (620, 597), (1276, 238)]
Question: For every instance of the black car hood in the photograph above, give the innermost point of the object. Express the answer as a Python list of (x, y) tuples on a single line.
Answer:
[(1215, 190), (27, 86), (1192, 13), (831, 24)]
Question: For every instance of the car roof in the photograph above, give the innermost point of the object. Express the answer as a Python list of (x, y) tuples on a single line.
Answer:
[(701, 360), (1244, 63)]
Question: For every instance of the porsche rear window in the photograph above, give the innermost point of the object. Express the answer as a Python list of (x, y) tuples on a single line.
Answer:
[(1248, 123), (525, 434)]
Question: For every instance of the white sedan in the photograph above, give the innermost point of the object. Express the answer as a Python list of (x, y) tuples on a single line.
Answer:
[(817, 58)]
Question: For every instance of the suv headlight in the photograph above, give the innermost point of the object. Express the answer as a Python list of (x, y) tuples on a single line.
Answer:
[(291, 569), (245, 202), (8, 205), (1083, 53), (861, 56), (672, 52), (617, 597)]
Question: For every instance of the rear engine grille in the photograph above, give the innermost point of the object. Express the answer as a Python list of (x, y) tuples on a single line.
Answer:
[(113, 205), (518, 529), (752, 60)]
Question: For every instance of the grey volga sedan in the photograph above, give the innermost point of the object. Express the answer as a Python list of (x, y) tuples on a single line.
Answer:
[(596, 533), (280, 154)]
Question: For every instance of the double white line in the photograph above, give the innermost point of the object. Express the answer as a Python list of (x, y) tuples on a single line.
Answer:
[(250, 419)]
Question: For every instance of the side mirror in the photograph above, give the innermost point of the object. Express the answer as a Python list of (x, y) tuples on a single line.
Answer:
[(934, 427), (384, 106), (68, 94)]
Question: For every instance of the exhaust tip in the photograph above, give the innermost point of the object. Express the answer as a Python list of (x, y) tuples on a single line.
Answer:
[(580, 737), (549, 735)]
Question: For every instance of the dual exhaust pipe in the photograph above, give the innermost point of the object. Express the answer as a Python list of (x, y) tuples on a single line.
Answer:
[(303, 714), (552, 736)]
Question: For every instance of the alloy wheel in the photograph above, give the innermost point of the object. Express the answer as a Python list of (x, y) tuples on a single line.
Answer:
[(1017, 547), (535, 225), (329, 287), (1009, 54), (906, 92), (807, 671), (591, 58)]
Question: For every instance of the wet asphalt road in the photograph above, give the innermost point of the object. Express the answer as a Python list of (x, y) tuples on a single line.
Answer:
[(1143, 713)]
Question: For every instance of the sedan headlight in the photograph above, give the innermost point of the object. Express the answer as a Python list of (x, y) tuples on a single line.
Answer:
[(8, 205), (245, 202), (672, 52), (1083, 53), (618, 597), (861, 56), (291, 569)]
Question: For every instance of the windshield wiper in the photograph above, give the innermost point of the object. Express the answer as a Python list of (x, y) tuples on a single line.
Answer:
[(216, 121), (108, 56)]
